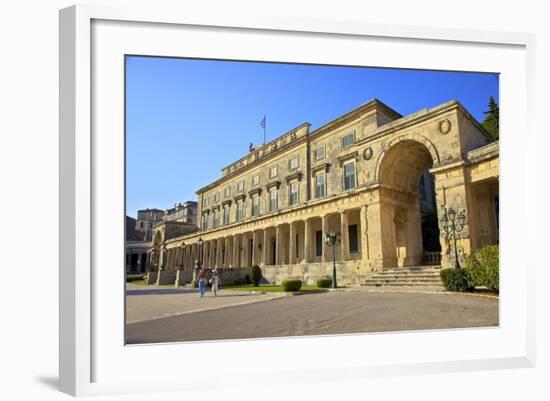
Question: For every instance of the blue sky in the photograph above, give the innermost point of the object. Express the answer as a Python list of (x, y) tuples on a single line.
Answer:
[(187, 119)]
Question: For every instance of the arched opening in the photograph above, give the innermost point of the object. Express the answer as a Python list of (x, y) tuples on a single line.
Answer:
[(156, 251), (409, 212)]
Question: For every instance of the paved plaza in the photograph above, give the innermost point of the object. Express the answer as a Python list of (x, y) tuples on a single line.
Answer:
[(156, 315)]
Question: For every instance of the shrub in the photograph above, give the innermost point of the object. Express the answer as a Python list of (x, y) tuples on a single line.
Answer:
[(134, 277), (291, 285), (256, 275), (238, 281), (456, 280), (324, 282), (482, 267)]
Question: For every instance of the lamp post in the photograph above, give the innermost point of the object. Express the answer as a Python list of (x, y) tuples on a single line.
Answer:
[(332, 239), (453, 223)]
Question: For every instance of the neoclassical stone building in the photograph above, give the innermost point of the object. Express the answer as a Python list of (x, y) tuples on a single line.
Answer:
[(365, 175)]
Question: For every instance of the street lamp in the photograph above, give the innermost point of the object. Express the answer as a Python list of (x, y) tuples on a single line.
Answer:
[(332, 239), (453, 223)]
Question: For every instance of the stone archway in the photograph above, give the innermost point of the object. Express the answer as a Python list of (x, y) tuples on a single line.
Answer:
[(156, 250), (399, 171)]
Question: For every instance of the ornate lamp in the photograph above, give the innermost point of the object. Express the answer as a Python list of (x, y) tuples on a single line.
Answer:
[(332, 239)]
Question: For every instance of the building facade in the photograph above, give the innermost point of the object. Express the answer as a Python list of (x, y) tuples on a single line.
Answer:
[(182, 212), (371, 175), (146, 219), (170, 223)]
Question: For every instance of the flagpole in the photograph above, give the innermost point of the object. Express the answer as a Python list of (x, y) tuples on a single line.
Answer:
[(264, 128)]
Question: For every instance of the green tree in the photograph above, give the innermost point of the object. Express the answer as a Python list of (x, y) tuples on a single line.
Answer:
[(490, 123)]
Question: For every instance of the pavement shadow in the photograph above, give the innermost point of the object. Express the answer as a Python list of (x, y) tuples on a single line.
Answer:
[(233, 295), (162, 291)]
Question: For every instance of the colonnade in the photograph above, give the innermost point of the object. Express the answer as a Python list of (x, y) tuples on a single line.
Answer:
[(287, 243)]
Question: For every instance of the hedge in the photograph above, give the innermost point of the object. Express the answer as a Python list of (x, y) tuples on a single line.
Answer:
[(482, 266), (456, 280), (324, 282), (256, 275), (291, 285), (134, 277)]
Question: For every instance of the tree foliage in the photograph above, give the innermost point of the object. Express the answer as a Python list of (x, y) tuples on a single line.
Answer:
[(490, 123)]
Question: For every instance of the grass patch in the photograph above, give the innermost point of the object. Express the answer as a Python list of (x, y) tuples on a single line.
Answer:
[(137, 282), (268, 288)]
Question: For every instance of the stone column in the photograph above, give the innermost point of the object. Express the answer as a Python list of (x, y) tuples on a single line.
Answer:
[(213, 250), (291, 244), (218, 253), (254, 246), (364, 235), (234, 262), (344, 232), (206, 258), (226, 262), (278, 237), (324, 229), (307, 235), (264, 248)]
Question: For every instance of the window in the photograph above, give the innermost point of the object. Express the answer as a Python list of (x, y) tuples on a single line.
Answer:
[(273, 200), (320, 185), (240, 209), (255, 180), (205, 222), (273, 172), (227, 192), (255, 205), (216, 218), (216, 197), (348, 140), (349, 176), (293, 163), (226, 214), (319, 153), (352, 235), (240, 186), (318, 243), (293, 193)]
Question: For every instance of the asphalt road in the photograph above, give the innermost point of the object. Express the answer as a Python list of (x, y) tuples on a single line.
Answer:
[(318, 314)]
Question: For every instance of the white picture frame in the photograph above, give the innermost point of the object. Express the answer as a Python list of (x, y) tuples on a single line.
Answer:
[(84, 352)]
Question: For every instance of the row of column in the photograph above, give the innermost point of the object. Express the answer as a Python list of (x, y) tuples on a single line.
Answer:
[(269, 246)]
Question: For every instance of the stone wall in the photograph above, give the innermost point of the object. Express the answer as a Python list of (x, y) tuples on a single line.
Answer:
[(347, 273)]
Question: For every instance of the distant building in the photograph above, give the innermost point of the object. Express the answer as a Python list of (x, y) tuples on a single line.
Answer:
[(146, 219), (179, 220), (183, 213), (136, 247)]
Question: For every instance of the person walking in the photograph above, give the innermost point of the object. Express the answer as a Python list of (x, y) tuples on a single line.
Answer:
[(202, 282), (215, 280)]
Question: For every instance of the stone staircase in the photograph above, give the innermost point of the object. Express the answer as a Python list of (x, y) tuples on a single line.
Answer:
[(410, 276)]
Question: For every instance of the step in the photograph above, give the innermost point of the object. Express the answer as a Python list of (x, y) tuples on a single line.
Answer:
[(405, 274), (403, 284), (380, 282)]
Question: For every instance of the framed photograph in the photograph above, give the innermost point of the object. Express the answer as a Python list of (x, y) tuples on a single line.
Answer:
[(253, 186)]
